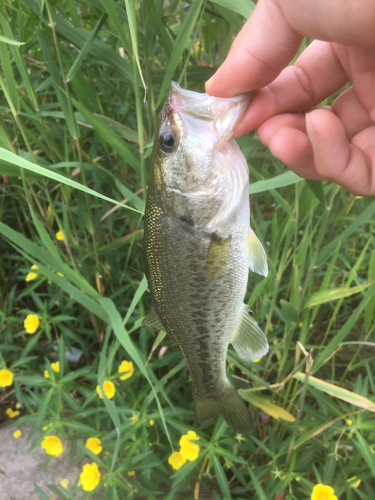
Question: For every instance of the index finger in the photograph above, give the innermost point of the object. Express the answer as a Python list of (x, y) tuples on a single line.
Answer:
[(264, 46)]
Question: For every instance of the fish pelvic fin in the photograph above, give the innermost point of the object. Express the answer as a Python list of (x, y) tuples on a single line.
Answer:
[(249, 341), (151, 319), (228, 404), (256, 254)]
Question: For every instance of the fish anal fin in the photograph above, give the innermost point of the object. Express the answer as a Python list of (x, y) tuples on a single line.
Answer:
[(249, 341), (151, 319), (218, 254), (257, 255), (229, 404)]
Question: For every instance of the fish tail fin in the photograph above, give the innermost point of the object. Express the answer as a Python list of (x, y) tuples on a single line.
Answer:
[(228, 404)]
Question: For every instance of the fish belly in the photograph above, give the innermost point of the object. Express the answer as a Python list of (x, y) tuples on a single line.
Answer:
[(199, 311)]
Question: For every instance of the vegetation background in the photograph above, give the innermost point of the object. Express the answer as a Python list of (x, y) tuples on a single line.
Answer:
[(77, 128)]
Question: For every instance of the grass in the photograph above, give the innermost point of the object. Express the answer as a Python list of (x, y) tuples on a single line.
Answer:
[(82, 83)]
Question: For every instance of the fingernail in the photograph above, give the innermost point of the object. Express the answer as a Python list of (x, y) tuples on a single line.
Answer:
[(311, 132)]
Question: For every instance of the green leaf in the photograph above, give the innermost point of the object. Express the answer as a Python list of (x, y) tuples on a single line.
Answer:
[(337, 392), (221, 479), (21, 162), (243, 7), (366, 452), (271, 409), (285, 179), (180, 45), (337, 293), (289, 311), (86, 47), (258, 488)]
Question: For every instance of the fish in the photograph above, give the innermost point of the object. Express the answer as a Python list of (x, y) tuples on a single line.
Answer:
[(199, 246)]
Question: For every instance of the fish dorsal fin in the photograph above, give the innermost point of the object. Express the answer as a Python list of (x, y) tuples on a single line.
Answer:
[(249, 341), (257, 255), (151, 319), (217, 258)]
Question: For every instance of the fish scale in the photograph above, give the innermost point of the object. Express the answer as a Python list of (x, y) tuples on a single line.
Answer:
[(197, 247)]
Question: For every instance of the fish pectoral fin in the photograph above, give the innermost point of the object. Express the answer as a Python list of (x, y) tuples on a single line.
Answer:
[(249, 341), (151, 319), (217, 257), (257, 255), (230, 405)]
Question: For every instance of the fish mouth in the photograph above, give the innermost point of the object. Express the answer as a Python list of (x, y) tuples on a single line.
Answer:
[(226, 112)]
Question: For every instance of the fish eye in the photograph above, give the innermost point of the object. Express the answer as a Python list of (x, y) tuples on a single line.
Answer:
[(168, 141)]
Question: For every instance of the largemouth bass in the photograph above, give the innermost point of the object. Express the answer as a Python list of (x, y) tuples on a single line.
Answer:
[(199, 246)]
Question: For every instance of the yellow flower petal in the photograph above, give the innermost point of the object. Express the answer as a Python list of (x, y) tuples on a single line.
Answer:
[(64, 483), (134, 418), (31, 323), (59, 236), (17, 434), (348, 421), (18, 406), (31, 276), (46, 374), (109, 389), (176, 460), (60, 274), (52, 445), (6, 378), (189, 450), (256, 360), (128, 368), (354, 484), (12, 414), (151, 422), (56, 366), (131, 473), (90, 477), (323, 492), (93, 444)]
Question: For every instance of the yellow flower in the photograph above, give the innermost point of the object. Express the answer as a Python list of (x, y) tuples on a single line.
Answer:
[(134, 418), (52, 445), (109, 389), (93, 444), (90, 477), (188, 449), (18, 406), (176, 460), (31, 276), (348, 421), (59, 236), (64, 483), (256, 360), (6, 378), (151, 422), (297, 478), (46, 374), (131, 473), (11, 413), (17, 434), (46, 427), (354, 484), (31, 323), (323, 492), (128, 368), (60, 274), (56, 366)]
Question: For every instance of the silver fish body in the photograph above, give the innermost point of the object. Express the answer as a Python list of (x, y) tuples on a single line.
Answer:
[(199, 246)]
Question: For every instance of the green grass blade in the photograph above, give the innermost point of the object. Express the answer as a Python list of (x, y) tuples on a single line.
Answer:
[(285, 179), (179, 46), (343, 332), (243, 7), (86, 47), (15, 160), (366, 452), (337, 293), (221, 479)]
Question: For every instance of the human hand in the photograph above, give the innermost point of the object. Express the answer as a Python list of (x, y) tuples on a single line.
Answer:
[(336, 143)]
